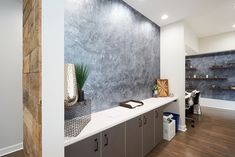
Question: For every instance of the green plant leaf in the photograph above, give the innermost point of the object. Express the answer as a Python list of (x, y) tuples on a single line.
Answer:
[(82, 73)]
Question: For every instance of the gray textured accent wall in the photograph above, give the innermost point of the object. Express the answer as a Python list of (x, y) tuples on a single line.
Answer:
[(120, 46), (202, 63)]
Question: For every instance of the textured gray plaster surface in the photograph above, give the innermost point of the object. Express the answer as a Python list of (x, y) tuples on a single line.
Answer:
[(120, 46)]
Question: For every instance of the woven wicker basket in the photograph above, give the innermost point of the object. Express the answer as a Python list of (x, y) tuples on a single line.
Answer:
[(76, 118)]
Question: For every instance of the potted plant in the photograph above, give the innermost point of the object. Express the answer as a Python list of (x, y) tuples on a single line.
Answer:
[(82, 73), (155, 90)]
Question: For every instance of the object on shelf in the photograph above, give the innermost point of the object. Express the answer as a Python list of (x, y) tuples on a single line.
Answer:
[(203, 78), (188, 63), (131, 104), (225, 66), (76, 118), (232, 87), (163, 88), (191, 68), (214, 87), (70, 85)]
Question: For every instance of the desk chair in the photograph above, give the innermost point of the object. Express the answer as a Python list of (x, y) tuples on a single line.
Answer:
[(191, 100)]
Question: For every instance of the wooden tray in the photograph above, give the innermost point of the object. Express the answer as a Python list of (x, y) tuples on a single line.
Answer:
[(128, 103)]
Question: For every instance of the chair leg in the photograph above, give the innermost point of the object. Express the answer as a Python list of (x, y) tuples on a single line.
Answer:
[(192, 121)]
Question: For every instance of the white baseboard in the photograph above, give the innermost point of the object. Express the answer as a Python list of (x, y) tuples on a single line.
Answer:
[(11, 149), (183, 128), (216, 103)]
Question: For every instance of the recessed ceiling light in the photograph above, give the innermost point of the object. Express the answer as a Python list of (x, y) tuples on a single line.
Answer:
[(233, 25), (164, 17)]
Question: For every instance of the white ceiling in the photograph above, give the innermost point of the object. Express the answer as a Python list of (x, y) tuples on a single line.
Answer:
[(206, 17)]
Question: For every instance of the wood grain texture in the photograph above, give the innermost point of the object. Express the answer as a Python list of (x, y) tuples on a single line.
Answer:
[(32, 78), (213, 136), (163, 88)]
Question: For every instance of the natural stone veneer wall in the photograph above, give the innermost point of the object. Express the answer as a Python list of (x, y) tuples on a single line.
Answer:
[(120, 46), (32, 77)]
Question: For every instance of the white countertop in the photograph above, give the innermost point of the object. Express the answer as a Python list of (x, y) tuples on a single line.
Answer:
[(106, 119)]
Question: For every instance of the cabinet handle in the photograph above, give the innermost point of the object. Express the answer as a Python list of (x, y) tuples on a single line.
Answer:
[(140, 122), (145, 120), (96, 145), (106, 140), (156, 114)]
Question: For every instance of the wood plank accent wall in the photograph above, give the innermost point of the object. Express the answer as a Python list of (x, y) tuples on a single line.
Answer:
[(32, 78)]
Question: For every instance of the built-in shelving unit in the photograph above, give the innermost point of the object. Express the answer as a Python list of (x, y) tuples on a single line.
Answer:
[(212, 74)]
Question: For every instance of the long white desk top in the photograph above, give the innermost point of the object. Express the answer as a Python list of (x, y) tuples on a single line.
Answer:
[(106, 119)]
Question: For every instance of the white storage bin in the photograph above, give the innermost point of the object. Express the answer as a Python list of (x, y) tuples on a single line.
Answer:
[(168, 130)]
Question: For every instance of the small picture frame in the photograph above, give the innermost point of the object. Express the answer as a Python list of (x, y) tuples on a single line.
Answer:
[(163, 87)]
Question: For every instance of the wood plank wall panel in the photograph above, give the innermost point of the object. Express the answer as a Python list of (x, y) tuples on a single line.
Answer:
[(32, 78)]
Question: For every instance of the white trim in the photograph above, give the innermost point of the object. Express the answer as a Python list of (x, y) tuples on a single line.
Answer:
[(182, 128), (216, 103), (11, 149)]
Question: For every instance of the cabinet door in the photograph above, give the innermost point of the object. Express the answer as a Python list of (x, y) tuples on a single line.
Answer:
[(134, 137), (158, 126), (148, 132), (89, 147), (114, 142)]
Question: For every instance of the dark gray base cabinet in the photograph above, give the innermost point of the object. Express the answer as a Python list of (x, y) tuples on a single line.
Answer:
[(89, 147), (114, 141), (148, 132), (158, 115), (134, 137), (110, 143)]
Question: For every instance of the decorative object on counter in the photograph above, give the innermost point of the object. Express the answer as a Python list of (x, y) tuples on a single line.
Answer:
[(76, 118), (155, 90), (70, 85), (131, 104), (163, 88), (82, 73)]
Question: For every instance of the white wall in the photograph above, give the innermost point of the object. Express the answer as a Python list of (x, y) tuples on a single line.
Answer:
[(217, 43), (53, 78), (172, 60), (216, 103), (191, 40), (11, 105)]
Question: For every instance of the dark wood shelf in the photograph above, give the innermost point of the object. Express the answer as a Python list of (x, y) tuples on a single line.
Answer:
[(206, 79), (222, 88), (192, 69), (221, 67)]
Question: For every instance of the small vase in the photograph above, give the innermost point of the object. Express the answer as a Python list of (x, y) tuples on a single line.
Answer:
[(70, 85), (155, 93), (81, 96)]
